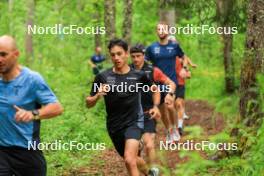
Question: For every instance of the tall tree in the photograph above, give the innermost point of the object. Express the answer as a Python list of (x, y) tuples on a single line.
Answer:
[(127, 23), (250, 102), (167, 11), (224, 16), (29, 40), (109, 20), (97, 17)]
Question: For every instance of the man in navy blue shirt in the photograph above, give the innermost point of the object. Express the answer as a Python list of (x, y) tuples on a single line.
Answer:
[(96, 60), (163, 54), (25, 99)]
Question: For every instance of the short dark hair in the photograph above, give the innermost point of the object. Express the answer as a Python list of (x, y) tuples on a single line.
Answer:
[(118, 42), (138, 48)]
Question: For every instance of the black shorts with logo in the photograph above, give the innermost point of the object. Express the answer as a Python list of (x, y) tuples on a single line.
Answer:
[(17, 161), (119, 138)]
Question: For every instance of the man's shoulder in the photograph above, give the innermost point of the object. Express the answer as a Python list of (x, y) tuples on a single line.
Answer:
[(105, 73), (154, 44), (174, 44), (34, 75)]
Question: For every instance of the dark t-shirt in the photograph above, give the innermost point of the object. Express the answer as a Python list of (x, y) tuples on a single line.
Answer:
[(97, 59), (123, 107), (163, 57), (156, 76)]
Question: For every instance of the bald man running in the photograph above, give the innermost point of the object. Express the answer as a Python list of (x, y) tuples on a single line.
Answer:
[(25, 99)]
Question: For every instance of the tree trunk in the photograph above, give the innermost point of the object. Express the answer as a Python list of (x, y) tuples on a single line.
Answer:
[(224, 12), (250, 102), (97, 16), (28, 41), (167, 12), (229, 63), (127, 23), (109, 20)]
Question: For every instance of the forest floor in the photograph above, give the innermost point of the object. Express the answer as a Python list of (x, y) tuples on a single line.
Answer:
[(108, 163)]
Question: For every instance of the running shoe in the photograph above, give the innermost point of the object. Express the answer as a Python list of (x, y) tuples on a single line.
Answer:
[(169, 137), (175, 135), (153, 171), (185, 116)]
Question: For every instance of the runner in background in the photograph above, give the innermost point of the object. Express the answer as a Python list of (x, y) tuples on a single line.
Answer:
[(188, 62), (162, 54), (96, 60), (156, 75)]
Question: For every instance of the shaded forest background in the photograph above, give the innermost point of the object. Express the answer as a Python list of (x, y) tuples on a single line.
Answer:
[(62, 60)]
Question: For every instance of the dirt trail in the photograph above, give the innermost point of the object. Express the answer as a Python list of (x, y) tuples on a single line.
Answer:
[(108, 163)]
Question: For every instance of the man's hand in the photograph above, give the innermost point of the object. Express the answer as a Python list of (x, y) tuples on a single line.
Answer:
[(154, 113), (102, 90), (193, 65), (23, 115)]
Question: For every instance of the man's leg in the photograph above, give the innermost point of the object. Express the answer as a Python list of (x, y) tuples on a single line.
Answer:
[(131, 156), (164, 116), (180, 94), (180, 112), (172, 115), (149, 143)]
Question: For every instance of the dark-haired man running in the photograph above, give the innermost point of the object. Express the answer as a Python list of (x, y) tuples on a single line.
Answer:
[(125, 119), (157, 76)]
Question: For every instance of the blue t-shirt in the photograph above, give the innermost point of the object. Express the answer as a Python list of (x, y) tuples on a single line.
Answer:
[(28, 91), (96, 59), (164, 57)]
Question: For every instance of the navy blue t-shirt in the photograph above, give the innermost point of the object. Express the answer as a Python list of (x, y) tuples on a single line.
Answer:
[(96, 59), (164, 57)]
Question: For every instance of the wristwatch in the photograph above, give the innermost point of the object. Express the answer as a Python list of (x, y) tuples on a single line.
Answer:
[(35, 114)]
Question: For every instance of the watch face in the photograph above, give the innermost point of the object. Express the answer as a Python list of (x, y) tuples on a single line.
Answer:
[(35, 112)]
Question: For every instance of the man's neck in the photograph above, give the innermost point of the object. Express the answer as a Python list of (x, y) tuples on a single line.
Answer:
[(164, 41), (13, 73), (122, 70), (139, 67)]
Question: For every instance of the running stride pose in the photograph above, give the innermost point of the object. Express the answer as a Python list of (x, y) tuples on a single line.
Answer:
[(125, 119), (162, 54), (25, 99), (156, 75)]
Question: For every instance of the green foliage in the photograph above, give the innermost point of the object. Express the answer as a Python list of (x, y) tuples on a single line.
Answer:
[(62, 60)]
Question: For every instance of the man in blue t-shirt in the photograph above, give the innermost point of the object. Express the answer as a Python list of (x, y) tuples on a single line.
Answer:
[(96, 60), (25, 99), (163, 54)]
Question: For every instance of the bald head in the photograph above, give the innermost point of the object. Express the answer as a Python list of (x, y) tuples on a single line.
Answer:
[(7, 42)]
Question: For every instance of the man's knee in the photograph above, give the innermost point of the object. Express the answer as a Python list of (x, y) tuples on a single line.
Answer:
[(149, 146), (179, 104), (130, 160)]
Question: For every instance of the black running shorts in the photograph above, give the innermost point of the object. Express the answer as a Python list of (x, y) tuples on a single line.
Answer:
[(21, 162), (119, 138), (149, 124), (180, 92)]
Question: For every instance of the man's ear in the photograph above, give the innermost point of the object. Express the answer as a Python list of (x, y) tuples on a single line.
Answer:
[(16, 53)]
